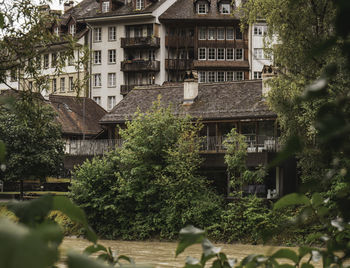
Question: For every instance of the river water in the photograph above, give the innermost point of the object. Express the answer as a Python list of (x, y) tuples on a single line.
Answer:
[(162, 254)]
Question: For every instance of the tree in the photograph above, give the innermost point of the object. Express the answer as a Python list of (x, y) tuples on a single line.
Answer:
[(34, 148), (150, 186)]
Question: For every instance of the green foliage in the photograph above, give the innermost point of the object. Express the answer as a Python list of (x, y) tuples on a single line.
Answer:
[(34, 148), (150, 186), (235, 159)]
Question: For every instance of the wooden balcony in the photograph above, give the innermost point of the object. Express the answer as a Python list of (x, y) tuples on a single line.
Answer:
[(90, 147), (140, 66), (179, 41), (178, 64), (140, 42)]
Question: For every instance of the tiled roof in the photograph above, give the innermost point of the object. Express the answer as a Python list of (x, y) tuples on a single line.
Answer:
[(185, 10), (122, 11), (71, 116), (80, 10), (217, 101)]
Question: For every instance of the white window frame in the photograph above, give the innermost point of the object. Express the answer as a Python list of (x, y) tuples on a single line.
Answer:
[(258, 30), (46, 61), (231, 29), (97, 99), (140, 4), (239, 76), (72, 29), (225, 8), (222, 30), (97, 34), (105, 6), (112, 33), (71, 84), (112, 56), (213, 31), (218, 53), (56, 31), (202, 8), (211, 56), (230, 74), (202, 77), (257, 75), (112, 79), (202, 31), (228, 55), (54, 60), (209, 77), (97, 57), (223, 77), (237, 54), (258, 53), (54, 85), (201, 49), (62, 84), (97, 80), (110, 102)]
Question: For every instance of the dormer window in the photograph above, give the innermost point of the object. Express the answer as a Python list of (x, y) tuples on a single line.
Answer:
[(140, 4), (105, 7), (202, 8), (72, 29), (225, 8)]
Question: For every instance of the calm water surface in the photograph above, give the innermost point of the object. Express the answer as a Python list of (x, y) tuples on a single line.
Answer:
[(161, 254)]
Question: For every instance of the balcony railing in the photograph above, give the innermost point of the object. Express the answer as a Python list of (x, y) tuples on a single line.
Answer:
[(136, 42), (256, 144), (178, 64), (90, 147), (140, 66)]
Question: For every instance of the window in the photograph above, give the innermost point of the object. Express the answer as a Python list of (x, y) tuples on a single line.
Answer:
[(105, 7), (71, 59), (211, 77), (111, 80), (151, 79), (152, 55), (97, 34), (202, 8), (221, 33), (97, 80), (30, 85), (202, 77), (139, 4), (229, 76), (54, 85), (201, 53), (46, 61), (56, 31), (72, 29), (239, 35), (257, 75), (71, 84), (229, 54), (112, 34), (211, 53), (62, 59), (239, 75), (239, 53), (225, 8), (38, 62), (149, 30), (258, 30), (229, 34), (138, 32), (110, 102), (97, 57), (258, 53), (221, 53), (112, 56), (202, 35), (211, 34), (62, 84), (97, 100), (53, 60), (221, 76)]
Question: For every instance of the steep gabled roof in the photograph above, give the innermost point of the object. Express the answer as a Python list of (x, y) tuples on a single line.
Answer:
[(80, 10), (73, 119), (219, 101)]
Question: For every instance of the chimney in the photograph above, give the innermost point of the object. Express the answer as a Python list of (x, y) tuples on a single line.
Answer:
[(68, 5), (190, 88), (268, 72)]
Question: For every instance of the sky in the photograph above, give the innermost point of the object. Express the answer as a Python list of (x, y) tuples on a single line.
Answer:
[(58, 4)]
